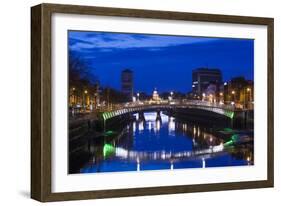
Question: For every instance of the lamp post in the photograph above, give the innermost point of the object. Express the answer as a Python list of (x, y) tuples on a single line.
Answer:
[(72, 101), (171, 93), (84, 99), (203, 96), (249, 91), (233, 93), (211, 99), (221, 97), (73, 96)]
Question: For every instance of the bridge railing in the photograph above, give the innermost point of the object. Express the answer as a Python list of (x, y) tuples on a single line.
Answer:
[(175, 103)]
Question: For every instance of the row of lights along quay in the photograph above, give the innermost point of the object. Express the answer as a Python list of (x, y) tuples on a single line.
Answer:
[(207, 87)]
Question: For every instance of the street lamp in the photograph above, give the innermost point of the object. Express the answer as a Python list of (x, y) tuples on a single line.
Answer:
[(203, 96), (233, 93), (73, 96), (221, 98), (84, 98), (134, 99), (171, 95), (211, 98), (138, 95), (250, 94)]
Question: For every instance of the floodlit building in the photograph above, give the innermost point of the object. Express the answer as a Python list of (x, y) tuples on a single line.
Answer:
[(155, 97)]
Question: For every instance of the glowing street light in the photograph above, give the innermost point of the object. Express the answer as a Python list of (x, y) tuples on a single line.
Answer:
[(134, 99), (211, 98), (203, 96), (233, 92), (225, 84), (86, 92), (248, 89)]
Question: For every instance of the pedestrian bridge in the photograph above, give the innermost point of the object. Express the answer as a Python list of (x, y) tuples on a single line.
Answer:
[(227, 111)]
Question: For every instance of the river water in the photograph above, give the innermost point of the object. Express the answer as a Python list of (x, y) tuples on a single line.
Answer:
[(166, 143)]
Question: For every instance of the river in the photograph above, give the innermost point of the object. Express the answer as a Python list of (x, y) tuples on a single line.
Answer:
[(167, 143)]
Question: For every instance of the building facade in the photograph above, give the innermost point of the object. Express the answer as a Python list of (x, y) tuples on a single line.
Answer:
[(203, 77), (127, 83), (239, 91)]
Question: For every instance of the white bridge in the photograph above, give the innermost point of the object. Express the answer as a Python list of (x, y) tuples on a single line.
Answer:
[(118, 110)]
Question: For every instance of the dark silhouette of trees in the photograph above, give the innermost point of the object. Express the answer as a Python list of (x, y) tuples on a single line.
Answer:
[(81, 77)]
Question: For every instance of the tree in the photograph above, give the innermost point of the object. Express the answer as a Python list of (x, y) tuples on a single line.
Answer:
[(81, 76)]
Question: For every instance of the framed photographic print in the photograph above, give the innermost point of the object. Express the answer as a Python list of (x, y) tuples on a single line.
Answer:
[(132, 102)]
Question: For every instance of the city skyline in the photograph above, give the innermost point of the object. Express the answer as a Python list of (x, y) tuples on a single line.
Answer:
[(148, 56)]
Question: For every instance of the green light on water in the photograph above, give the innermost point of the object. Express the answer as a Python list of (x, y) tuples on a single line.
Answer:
[(229, 143), (109, 133), (227, 129), (108, 150), (233, 139)]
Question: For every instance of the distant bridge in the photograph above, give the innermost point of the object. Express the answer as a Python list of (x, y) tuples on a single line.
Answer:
[(227, 111)]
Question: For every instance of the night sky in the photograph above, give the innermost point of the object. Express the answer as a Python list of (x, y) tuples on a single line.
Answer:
[(160, 61)]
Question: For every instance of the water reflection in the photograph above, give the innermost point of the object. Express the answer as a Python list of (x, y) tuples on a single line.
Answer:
[(162, 142)]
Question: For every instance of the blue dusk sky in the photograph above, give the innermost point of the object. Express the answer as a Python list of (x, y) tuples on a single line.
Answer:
[(160, 61)]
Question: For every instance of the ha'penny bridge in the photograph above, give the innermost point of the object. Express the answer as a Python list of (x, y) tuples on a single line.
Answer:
[(191, 108)]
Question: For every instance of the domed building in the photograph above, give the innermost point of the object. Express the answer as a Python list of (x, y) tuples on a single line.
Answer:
[(155, 97)]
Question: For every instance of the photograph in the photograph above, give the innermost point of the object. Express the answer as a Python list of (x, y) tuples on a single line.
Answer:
[(143, 102)]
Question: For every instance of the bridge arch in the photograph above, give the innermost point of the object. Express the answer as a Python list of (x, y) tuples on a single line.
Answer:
[(146, 108)]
